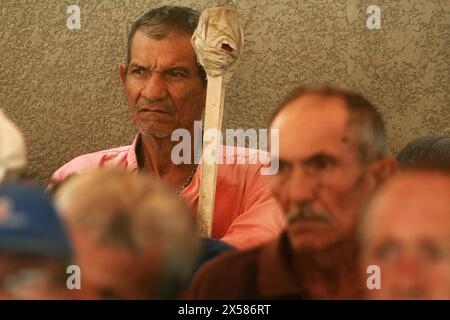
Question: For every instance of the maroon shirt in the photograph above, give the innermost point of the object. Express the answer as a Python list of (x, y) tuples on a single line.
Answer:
[(263, 272)]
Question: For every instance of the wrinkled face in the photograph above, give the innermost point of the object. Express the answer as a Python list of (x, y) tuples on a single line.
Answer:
[(408, 237), (112, 272), (321, 183), (162, 84)]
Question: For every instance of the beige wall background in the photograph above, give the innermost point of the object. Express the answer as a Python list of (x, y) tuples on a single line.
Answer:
[(62, 87)]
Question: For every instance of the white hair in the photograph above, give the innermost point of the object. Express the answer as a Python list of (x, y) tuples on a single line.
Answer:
[(138, 213)]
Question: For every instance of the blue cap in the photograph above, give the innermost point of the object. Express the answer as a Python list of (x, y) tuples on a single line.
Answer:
[(29, 223)]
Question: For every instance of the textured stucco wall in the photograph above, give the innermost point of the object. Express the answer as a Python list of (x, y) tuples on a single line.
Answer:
[(62, 88)]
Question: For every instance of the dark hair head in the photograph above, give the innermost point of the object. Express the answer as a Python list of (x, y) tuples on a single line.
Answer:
[(158, 23), (427, 151)]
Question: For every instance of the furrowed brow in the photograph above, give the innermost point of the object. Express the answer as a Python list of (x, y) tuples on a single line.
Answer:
[(320, 157), (180, 69), (135, 65)]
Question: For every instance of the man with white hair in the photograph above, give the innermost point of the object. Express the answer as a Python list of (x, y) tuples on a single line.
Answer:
[(12, 150), (133, 238)]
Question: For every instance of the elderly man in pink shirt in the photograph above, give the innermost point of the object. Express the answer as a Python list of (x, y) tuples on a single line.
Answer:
[(166, 90)]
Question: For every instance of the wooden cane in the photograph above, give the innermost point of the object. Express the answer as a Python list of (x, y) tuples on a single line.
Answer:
[(218, 42)]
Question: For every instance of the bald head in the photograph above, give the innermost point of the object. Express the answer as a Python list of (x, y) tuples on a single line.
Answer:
[(312, 119), (363, 118), (406, 231), (324, 177)]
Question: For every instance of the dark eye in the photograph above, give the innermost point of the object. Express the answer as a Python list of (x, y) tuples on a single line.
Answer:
[(138, 71), (284, 166), (175, 74), (387, 250), (322, 163), (432, 252)]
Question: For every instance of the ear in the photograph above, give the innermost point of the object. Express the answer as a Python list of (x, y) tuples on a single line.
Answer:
[(383, 169), (123, 73)]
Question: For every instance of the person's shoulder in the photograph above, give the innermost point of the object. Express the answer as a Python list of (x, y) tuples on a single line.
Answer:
[(97, 156), (241, 258), (243, 155), (90, 161), (242, 164), (213, 247), (111, 152), (228, 276)]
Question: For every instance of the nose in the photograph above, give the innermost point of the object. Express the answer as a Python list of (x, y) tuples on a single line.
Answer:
[(302, 186), (409, 279), (408, 266), (155, 88)]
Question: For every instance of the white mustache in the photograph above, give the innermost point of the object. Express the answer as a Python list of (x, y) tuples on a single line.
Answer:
[(306, 213)]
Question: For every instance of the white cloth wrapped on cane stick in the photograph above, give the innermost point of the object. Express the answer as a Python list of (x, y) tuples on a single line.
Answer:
[(218, 42)]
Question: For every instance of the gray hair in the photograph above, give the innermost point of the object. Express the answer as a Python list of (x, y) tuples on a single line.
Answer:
[(158, 23), (427, 151)]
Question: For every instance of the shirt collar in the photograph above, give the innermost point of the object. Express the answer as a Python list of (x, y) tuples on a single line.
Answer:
[(190, 192), (275, 278), (132, 154)]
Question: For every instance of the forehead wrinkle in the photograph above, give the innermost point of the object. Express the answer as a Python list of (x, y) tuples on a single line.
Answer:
[(311, 112), (317, 124), (319, 143), (169, 45), (144, 62)]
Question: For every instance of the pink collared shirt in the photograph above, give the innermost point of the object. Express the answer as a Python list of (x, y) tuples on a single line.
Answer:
[(245, 213)]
